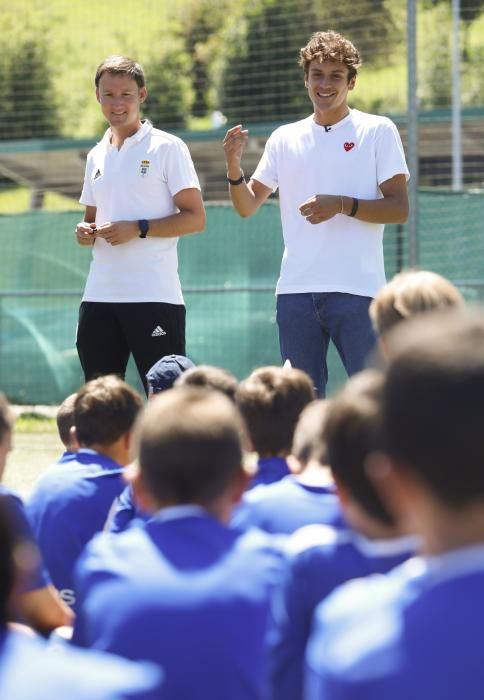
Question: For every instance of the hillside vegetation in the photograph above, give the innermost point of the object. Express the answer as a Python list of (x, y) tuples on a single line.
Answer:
[(206, 55)]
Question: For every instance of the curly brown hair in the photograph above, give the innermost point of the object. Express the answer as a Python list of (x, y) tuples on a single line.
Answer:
[(330, 46)]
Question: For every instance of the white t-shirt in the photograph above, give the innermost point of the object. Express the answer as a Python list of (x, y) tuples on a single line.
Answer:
[(137, 182), (352, 158)]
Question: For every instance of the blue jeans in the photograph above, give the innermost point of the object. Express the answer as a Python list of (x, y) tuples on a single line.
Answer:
[(307, 322)]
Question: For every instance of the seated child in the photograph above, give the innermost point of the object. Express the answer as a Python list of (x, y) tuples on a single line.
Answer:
[(210, 377), (184, 586), (417, 632), (321, 557), (165, 372), (65, 427), (28, 669), (71, 501), (307, 495), (408, 294), (161, 377), (271, 400), (37, 603)]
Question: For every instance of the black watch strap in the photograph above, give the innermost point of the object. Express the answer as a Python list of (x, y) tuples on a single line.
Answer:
[(354, 208), (144, 227), (239, 181)]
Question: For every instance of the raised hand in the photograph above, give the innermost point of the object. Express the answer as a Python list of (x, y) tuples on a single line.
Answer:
[(234, 144)]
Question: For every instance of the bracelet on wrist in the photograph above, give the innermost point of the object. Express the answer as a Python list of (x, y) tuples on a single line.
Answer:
[(239, 181)]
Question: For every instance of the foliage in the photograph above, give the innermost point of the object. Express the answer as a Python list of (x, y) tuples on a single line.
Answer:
[(32, 422), (472, 85), (368, 95), (469, 9), (260, 79), (202, 22), (28, 105), (15, 199), (202, 56), (170, 93), (434, 52), (362, 22)]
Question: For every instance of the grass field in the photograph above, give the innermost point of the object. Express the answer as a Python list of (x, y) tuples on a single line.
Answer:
[(16, 198), (36, 445)]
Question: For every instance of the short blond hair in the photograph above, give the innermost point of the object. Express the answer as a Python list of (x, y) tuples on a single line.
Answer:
[(410, 293)]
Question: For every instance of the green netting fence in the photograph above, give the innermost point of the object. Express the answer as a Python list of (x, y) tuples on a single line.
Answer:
[(228, 275)]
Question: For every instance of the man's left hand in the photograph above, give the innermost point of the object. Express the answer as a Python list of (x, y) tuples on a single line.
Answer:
[(320, 208), (118, 232)]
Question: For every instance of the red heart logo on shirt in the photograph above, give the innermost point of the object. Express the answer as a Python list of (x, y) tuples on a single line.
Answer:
[(349, 146)]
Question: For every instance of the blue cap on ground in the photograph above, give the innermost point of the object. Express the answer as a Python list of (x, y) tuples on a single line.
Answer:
[(166, 371)]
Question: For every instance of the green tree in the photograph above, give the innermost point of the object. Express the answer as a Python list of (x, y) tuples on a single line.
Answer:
[(170, 93), (369, 24), (434, 58), (469, 9), (202, 22), (28, 107), (260, 79)]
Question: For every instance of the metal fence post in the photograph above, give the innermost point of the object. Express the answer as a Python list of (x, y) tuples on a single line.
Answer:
[(412, 131), (456, 98)]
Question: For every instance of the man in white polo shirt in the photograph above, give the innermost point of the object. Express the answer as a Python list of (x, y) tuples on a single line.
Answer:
[(141, 192), (341, 176)]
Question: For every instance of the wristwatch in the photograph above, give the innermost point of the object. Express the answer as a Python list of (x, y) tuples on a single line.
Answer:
[(239, 180), (144, 227)]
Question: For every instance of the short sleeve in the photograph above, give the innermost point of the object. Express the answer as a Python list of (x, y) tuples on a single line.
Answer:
[(267, 170), (390, 156), (179, 171), (87, 196)]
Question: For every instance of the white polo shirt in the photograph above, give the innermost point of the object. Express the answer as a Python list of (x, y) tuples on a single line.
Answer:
[(353, 158), (138, 181)]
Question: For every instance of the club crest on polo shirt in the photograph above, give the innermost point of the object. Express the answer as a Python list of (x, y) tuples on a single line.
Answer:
[(144, 167)]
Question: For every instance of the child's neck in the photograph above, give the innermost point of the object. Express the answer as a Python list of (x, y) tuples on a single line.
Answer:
[(282, 454), (444, 529), (315, 474)]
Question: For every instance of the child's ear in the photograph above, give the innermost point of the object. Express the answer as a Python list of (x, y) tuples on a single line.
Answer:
[(240, 483), (344, 495), (396, 486), (73, 441), (294, 464), (247, 444), (127, 440), (142, 495)]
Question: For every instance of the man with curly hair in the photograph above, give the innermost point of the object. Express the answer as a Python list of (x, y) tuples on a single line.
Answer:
[(341, 175)]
